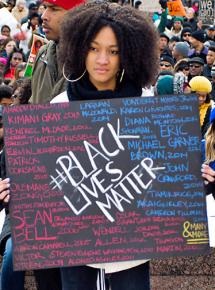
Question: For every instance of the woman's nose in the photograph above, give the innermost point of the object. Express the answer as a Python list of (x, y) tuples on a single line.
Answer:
[(102, 58)]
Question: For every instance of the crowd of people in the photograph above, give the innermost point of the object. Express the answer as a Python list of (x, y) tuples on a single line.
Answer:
[(103, 50)]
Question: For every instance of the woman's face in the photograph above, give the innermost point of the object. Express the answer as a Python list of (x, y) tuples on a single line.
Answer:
[(5, 31), (16, 59), (35, 21), (10, 46), (202, 97), (103, 61)]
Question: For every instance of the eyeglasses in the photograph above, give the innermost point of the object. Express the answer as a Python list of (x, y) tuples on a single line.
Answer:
[(186, 68), (195, 65), (186, 34), (165, 64)]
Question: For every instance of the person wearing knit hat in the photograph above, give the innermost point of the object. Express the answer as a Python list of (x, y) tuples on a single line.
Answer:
[(166, 62), (201, 86), (164, 85), (176, 28), (186, 34), (180, 50), (167, 84), (197, 42), (47, 78)]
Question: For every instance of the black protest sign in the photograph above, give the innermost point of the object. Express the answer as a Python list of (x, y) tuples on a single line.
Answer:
[(105, 181), (206, 11)]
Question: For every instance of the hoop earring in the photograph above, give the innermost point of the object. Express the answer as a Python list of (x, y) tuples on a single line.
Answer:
[(122, 75), (72, 81)]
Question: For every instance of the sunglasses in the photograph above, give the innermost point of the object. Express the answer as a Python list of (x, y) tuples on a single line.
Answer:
[(186, 34), (195, 65), (186, 68), (164, 64)]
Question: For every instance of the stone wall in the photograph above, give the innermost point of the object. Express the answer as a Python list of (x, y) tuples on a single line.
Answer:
[(180, 273)]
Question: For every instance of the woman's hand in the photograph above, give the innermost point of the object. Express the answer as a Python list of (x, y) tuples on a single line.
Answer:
[(5, 190), (208, 173)]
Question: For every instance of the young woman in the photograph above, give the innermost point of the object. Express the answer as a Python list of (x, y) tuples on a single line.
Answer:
[(16, 57), (111, 53), (202, 87)]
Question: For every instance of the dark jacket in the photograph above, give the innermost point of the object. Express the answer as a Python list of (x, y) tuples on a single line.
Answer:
[(85, 90)]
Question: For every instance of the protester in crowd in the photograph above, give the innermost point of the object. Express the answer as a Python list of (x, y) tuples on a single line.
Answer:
[(20, 10), (47, 79), (172, 43), (171, 84), (210, 33), (195, 6), (17, 56), (21, 91), (5, 30), (182, 66), (201, 86), (5, 95), (196, 66), (99, 63), (32, 8), (7, 48), (10, 4), (163, 43), (180, 51), (176, 28), (186, 34), (191, 19), (28, 29), (3, 63), (2, 43), (210, 59), (166, 62), (197, 40), (20, 70)]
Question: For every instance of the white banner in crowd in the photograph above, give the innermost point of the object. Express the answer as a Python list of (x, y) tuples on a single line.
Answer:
[(207, 11), (150, 6), (6, 18)]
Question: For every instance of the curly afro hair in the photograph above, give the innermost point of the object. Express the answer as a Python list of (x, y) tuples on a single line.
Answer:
[(137, 39)]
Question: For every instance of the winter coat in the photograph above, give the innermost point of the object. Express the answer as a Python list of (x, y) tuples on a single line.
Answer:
[(47, 78)]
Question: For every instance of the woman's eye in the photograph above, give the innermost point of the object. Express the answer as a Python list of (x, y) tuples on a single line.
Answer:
[(93, 48), (114, 52)]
